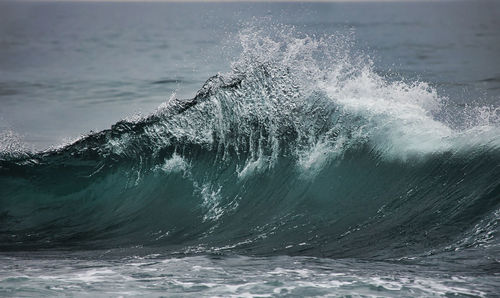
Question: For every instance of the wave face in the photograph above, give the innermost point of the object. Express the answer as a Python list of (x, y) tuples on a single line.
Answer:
[(302, 149)]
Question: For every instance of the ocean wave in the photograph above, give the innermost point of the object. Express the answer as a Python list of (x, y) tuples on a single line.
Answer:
[(301, 149)]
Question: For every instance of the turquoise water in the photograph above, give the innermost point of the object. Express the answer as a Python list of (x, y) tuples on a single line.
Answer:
[(285, 150)]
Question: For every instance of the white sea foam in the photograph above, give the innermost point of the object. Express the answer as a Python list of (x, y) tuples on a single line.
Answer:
[(175, 164)]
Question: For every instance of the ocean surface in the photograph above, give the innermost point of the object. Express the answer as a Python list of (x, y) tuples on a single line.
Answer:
[(250, 149)]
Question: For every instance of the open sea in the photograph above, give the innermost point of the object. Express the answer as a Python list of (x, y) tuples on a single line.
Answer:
[(250, 149)]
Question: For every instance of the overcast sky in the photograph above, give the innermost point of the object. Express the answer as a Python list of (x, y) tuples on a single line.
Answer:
[(234, 0)]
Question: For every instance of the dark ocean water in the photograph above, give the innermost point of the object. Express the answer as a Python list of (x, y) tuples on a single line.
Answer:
[(251, 149)]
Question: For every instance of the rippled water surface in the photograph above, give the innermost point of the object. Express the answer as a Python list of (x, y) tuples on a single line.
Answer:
[(234, 276)]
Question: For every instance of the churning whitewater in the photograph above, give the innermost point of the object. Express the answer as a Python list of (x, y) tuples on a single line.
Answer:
[(302, 149)]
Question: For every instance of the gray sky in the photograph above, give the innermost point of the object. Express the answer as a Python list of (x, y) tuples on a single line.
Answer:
[(231, 0)]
